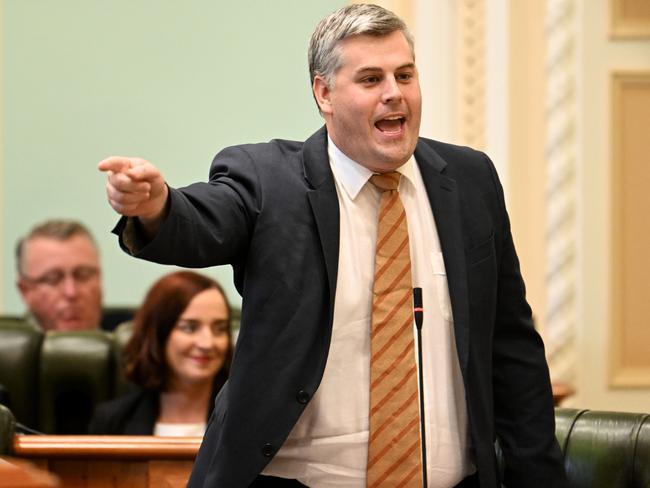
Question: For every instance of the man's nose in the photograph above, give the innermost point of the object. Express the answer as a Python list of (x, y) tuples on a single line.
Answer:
[(392, 91), (70, 286)]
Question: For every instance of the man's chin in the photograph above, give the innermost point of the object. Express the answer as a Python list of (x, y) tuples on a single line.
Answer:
[(392, 160)]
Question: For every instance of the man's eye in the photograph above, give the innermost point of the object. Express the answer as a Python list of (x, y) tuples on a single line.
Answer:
[(370, 80), (404, 76), (85, 273), (52, 278)]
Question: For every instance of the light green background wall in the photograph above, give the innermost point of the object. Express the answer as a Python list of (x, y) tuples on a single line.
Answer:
[(166, 80)]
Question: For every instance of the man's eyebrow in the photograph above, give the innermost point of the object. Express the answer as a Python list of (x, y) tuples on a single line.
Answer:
[(377, 69)]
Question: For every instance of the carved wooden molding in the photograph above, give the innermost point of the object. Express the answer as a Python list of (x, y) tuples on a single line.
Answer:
[(560, 155), (471, 73)]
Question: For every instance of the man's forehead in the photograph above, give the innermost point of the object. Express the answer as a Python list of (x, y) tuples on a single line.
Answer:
[(363, 48), (76, 249)]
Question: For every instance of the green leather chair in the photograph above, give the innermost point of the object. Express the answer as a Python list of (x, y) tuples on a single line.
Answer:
[(7, 427), (641, 465), (20, 346), (77, 371), (52, 381), (121, 336), (604, 449)]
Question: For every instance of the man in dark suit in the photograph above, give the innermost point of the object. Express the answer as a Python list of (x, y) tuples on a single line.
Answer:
[(298, 222)]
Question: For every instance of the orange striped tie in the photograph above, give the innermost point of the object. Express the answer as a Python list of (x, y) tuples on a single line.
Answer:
[(394, 455)]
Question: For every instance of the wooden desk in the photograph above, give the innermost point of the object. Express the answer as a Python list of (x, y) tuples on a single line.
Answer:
[(111, 461)]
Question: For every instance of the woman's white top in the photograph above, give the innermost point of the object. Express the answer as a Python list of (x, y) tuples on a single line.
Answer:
[(179, 430)]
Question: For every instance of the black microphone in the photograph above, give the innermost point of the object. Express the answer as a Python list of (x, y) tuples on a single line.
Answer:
[(418, 313), (5, 399)]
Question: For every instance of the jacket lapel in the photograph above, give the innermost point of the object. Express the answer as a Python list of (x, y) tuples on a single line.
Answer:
[(445, 204), (324, 203)]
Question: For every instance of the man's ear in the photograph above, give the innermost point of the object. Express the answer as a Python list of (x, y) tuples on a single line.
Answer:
[(22, 287), (322, 94)]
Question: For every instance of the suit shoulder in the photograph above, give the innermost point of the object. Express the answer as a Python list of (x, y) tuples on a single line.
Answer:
[(266, 150), (473, 170), (455, 153)]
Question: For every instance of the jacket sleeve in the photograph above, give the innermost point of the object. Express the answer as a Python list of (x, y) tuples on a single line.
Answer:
[(207, 224)]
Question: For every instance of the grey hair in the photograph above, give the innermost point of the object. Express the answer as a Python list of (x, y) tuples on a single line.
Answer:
[(60, 230), (324, 54)]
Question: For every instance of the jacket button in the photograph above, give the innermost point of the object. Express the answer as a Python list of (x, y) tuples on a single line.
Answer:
[(302, 397), (267, 450)]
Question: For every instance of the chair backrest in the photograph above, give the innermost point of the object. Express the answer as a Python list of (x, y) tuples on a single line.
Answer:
[(642, 456), (20, 346), (601, 449), (52, 381), (114, 316), (7, 427), (605, 449), (77, 371), (121, 336)]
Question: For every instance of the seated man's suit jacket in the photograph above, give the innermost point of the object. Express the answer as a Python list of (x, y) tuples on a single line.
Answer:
[(271, 210)]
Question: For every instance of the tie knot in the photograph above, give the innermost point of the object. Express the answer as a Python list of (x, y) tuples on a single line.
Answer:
[(386, 181)]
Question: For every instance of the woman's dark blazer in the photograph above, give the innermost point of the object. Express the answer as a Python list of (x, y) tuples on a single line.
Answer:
[(132, 414), (136, 412)]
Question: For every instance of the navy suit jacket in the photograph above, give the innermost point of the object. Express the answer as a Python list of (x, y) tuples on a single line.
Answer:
[(271, 210)]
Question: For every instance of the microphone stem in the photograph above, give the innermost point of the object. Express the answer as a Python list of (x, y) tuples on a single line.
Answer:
[(422, 431), (418, 312)]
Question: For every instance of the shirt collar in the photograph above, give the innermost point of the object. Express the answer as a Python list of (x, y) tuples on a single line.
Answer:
[(352, 176)]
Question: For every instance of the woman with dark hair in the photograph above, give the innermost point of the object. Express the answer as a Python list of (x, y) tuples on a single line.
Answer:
[(178, 357)]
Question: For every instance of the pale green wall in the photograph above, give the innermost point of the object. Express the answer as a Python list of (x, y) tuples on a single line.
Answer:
[(166, 80)]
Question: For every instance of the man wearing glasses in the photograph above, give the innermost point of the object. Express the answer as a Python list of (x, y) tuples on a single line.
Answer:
[(59, 277)]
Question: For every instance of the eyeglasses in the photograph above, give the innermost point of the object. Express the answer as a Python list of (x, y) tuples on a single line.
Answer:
[(54, 278)]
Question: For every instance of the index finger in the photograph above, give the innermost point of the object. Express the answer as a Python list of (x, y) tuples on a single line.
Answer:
[(116, 164)]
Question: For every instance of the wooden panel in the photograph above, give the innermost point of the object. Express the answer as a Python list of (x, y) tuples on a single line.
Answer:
[(73, 473), (94, 473), (630, 18), (169, 474), (630, 355)]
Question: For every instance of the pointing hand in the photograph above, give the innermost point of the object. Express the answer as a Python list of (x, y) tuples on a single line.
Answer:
[(135, 188)]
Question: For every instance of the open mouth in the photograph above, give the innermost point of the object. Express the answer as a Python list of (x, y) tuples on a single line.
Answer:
[(391, 125)]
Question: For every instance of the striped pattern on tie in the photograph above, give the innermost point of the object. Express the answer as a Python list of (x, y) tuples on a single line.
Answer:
[(394, 453)]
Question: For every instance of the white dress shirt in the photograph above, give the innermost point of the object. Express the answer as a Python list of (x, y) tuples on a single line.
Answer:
[(328, 446)]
